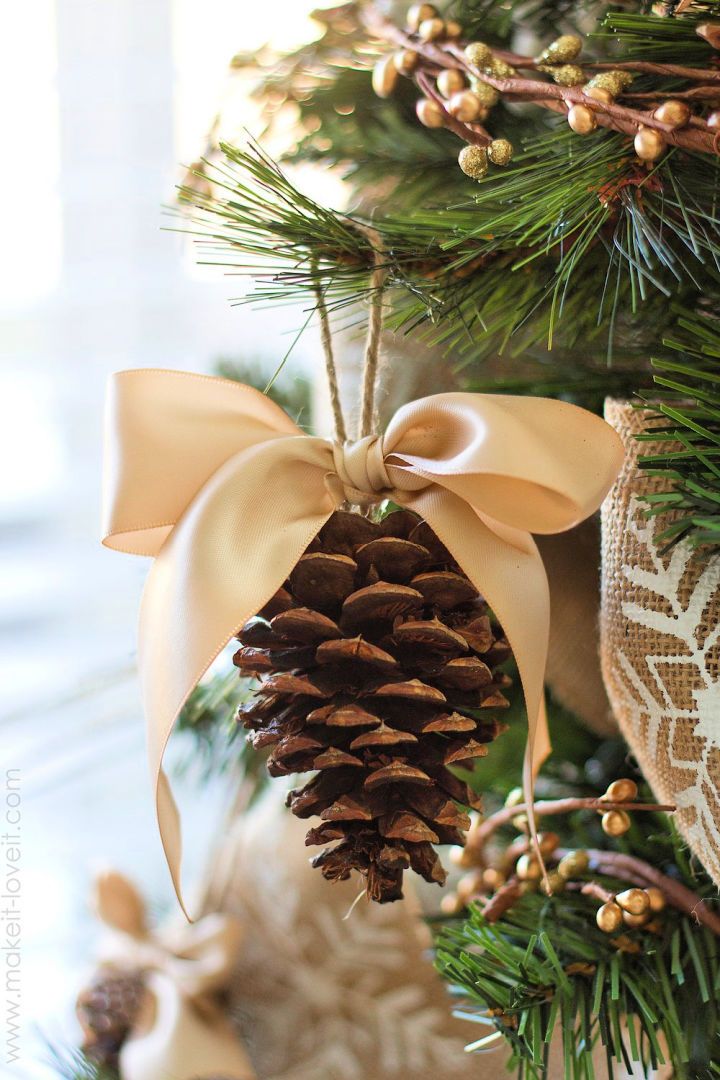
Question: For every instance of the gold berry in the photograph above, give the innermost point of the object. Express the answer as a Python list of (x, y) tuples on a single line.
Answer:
[(478, 53), (431, 29), (615, 822), (609, 917), (673, 112), (547, 841), (634, 922), (566, 47), (466, 106), (500, 152), (385, 77), (621, 791), (598, 93), (492, 878), (528, 868), (565, 74), (473, 161), (451, 904), (634, 901), (657, 899), (453, 29), (500, 69), (487, 93), (418, 13), (406, 61), (450, 81), (429, 113), (649, 144), (467, 887), (581, 119), (574, 863), (556, 882), (615, 81)]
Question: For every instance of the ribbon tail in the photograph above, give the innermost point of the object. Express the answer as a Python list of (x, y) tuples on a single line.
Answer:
[(229, 553), (537, 749), (505, 566)]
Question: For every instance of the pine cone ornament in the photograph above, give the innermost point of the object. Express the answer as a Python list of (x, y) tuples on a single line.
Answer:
[(379, 665), (107, 1010)]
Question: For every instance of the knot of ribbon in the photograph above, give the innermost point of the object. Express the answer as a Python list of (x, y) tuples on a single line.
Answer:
[(360, 468), (181, 1029), (362, 473), (218, 484)]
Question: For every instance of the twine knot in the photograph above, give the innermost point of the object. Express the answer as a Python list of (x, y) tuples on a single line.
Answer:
[(360, 467)]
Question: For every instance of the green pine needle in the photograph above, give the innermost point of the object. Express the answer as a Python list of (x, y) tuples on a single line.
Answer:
[(632, 1003), (70, 1063), (684, 411)]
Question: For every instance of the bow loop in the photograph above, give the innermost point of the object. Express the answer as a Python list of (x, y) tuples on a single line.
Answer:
[(220, 485)]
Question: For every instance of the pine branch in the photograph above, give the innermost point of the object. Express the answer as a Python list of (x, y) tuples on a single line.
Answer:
[(637, 36), (489, 20), (72, 1064), (564, 249), (544, 968), (460, 273), (684, 413), (255, 221)]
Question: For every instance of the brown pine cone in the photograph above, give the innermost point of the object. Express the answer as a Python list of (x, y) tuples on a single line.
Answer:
[(107, 1010), (379, 670)]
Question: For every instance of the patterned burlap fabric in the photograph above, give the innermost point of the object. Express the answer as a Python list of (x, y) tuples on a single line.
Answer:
[(660, 649)]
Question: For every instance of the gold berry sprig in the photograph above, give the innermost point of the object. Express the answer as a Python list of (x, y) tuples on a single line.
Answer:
[(498, 882), (461, 81)]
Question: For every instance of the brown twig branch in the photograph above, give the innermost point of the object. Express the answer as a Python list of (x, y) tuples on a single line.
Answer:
[(710, 94), (648, 67), (627, 868), (549, 95), (630, 868), (481, 832), (501, 901), (597, 891), (472, 134)]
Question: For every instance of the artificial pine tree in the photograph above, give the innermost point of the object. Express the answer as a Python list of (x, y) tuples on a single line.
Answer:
[(543, 181)]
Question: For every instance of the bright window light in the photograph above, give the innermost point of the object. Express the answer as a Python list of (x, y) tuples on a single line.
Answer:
[(31, 235)]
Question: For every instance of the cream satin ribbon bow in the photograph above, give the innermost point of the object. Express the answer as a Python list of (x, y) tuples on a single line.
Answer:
[(181, 1032), (218, 484)]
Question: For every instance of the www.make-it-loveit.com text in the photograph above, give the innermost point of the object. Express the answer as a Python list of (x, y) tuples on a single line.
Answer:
[(11, 910)]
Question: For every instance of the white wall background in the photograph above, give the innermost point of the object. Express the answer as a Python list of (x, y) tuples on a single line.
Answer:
[(100, 100)]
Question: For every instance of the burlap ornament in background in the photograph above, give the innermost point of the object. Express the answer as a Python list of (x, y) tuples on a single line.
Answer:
[(325, 990), (660, 649)]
